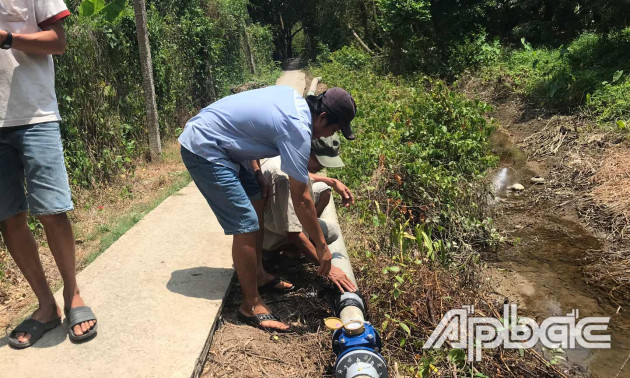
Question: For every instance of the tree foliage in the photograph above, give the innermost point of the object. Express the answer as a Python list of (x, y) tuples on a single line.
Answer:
[(440, 37), (197, 52)]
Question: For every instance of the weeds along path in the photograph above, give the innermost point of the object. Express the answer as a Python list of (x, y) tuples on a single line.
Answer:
[(555, 244)]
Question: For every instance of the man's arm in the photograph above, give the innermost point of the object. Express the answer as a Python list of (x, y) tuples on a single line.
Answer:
[(306, 213), (52, 40), (260, 177), (336, 275), (255, 164), (346, 195)]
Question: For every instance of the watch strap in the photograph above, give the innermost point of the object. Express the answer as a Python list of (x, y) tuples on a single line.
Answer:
[(8, 42)]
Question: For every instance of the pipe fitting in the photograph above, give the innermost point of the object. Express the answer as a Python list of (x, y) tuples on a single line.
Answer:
[(350, 300)]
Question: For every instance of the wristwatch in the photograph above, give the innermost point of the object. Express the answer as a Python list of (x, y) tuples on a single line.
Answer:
[(8, 42)]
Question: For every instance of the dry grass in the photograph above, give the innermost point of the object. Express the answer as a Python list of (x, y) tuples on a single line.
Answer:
[(101, 214), (610, 270), (239, 350), (557, 132), (612, 181), (589, 167), (590, 174), (238, 353)]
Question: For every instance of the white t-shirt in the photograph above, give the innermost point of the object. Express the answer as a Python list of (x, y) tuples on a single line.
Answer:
[(27, 81)]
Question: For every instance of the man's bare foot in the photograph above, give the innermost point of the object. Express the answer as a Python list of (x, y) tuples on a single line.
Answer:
[(264, 278), (84, 327), (43, 314), (258, 309)]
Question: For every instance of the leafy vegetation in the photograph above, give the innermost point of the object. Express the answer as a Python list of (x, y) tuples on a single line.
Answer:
[(591, 73), (420, 142), (420, 149), (198, 49), (422, 146), (441, 38), (97, 8)]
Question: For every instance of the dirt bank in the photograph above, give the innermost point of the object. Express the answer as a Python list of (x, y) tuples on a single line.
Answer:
[(587, 178)]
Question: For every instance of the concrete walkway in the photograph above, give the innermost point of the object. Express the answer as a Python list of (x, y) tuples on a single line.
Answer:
[(293, 78), (157, 292)]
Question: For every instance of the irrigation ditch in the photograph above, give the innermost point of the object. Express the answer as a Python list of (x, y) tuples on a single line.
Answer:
[(546, 263)]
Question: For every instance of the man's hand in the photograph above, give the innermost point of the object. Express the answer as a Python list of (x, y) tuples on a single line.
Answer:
[(325, 258), (3, 35), (346, 195), (341, 280), (262, 181)]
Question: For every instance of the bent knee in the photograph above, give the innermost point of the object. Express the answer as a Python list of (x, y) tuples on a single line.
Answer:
[(16, 221), (330, 230), (324, 197), (52, 219)]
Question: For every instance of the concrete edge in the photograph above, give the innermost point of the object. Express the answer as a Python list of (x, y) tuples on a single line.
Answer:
[(201, 360)]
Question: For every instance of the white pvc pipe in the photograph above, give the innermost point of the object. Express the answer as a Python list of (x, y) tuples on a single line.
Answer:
[(313, 88), (341, 260)]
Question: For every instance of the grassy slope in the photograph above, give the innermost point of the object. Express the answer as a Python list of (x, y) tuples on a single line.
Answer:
[(590, 75)]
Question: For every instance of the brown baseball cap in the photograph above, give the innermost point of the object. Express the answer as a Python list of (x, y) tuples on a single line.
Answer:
[(340, 104)]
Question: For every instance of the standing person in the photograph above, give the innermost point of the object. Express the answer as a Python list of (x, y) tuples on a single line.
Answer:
[(221, 147), (31, 152), (283, 228)]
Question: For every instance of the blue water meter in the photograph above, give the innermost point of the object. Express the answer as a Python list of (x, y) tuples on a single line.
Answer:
[(357, 348)]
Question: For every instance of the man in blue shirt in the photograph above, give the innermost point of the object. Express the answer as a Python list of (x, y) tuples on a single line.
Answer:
[(221, 147)]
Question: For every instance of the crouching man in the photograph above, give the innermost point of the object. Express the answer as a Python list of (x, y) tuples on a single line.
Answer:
[(282, 227)]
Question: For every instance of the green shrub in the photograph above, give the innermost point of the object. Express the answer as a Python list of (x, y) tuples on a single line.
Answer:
[(323, 53), (262, 45), (590, 73), (414, 169), (611, 102), (351, 58), (419, 148), (472, 53)]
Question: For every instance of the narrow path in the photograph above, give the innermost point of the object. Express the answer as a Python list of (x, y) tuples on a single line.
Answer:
[(157, 292), (293, 78)]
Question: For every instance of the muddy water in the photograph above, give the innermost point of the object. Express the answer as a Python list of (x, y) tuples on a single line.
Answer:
[(542, 271)]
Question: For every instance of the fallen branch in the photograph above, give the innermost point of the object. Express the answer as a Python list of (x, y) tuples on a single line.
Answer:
[(356, 36)]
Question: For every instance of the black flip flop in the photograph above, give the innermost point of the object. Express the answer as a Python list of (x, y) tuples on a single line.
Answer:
[(33, 327), (256, 320), (80, 315), (271, 286)]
